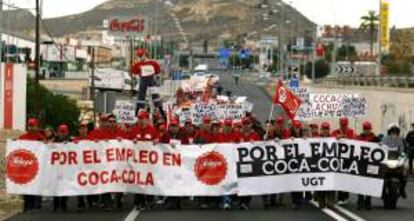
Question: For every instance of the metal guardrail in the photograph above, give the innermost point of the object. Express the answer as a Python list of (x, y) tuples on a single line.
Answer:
[(387, 81)]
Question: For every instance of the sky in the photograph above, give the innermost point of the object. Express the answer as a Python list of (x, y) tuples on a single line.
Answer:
[(334, 12)]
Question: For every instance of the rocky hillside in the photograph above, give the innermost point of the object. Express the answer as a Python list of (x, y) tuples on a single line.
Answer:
[(201, 19)]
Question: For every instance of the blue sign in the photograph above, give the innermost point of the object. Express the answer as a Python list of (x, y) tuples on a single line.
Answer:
[(244, 53), (224, 53)]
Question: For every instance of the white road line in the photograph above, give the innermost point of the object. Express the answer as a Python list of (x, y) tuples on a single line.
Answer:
[(349, 213), (330, 212), (133, 214)]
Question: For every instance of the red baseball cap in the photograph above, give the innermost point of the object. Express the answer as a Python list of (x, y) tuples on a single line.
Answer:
[(33, 122), (367, 125), (326, 125), (63, 128), (174, 122), (297, 124), (280, 120), (140, 52), (143, 115), (206, 119), (162, 127), (228, 122), (343, 121)]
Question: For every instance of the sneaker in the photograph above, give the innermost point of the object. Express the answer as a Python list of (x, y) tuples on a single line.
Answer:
[(244, 206), (226, 206)]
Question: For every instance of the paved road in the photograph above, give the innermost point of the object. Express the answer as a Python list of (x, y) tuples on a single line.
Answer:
[(309, 212)]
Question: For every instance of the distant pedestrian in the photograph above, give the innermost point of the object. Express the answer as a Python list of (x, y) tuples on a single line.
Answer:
[(409, 139)]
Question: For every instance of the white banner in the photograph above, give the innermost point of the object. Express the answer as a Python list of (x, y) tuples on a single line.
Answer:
[(326, 106), (114, 166), (124, 112), (311, 165)]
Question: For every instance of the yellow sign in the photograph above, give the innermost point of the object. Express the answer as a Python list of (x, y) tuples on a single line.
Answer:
[(384, 23)]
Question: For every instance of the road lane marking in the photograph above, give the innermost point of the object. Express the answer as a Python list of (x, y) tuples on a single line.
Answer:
[(330, 212), (349, 213), (133, 214)]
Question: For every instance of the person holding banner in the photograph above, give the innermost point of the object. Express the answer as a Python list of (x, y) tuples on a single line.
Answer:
[(228, 135), (204, 135), (63, 136), (409, 139), (98, 132), (343, 132), (368, 136), (31, 202), (143, 131), (190, 131), (280, 130), (325, 198), (175, 135), (314, 130), (49, 134)]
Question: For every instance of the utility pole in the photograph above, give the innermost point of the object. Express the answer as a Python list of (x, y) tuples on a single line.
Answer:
[(131, 64), (93, 82), (315, 42), (37, 60), (1, 34)]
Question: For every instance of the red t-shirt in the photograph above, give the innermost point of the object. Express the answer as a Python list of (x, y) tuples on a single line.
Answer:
[(202, 137), (77, 139), (115, 134), (232, 137), (249, 137), (146, 68), (167, 137), (149, 133), (349, 133), (32, 136)]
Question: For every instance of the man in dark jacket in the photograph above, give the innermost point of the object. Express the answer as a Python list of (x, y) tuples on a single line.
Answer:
[(409, 139)]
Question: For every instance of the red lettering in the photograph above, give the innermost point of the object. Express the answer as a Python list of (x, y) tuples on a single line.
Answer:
[(104, 177), (130, 154), (131, 177), (143, 156), (120, 154), (149, 180), (153, 157), (72, 158), (54, 157), (96, 158), (110, 155), (93, 178), (167, 159), (87, 157), (82, 179), (176, 159), (114, 177)]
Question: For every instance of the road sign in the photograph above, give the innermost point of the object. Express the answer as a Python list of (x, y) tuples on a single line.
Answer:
[(346, 69)]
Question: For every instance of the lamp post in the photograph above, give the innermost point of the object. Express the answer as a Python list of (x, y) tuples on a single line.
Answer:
[(37, 60)]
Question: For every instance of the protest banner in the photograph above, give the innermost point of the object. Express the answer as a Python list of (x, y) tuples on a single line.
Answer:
[(200, 110), (310, 165), (85, 168), (124, 112), (325, 106)]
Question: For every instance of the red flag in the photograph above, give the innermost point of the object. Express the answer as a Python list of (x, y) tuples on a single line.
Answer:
[(287, 99)]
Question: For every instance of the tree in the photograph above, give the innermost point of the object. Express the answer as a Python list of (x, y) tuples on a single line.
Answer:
[(55, 109), (322, 69), (346, 53), (370, 24)]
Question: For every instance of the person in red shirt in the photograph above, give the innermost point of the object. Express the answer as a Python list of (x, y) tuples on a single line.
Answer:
[(368, 136), (112, 130), (146, 70), (280, 130), (143, 130), (228, 135), (343, 132), (31, 202), (190, 131), (325, 198), (98, 133), (204, 135), (175, 134), (314, 130)]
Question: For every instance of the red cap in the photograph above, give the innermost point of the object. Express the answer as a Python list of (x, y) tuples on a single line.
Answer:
[(63, 128), (343, 121), (174, 121), (367, 125), (228, 122), (325, 125), (206, 119), (162, 127), (297, 124), (143, 115), (33, 122), (280, 120), (140, 52)]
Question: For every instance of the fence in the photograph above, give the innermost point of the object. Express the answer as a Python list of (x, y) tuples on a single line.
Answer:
[(406, 81)]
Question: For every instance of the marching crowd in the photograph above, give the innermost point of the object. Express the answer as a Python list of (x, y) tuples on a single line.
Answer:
[(154, 128)]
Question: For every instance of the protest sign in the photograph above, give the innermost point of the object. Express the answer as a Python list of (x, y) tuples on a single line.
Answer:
[(231, 111), (124, 112), (310, 165), (200, 110), (325, 106), (85, 168)]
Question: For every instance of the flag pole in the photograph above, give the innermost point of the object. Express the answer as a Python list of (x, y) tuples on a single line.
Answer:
[(270, 118)]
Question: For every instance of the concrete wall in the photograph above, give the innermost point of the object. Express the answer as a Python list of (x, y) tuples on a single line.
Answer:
[(385, 105)]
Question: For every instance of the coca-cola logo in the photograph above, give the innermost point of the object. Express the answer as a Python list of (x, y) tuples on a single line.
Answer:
[(21, 166), (211, 168), (133, 25)]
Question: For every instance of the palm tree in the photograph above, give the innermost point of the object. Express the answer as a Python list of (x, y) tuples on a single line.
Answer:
[(370, 23)]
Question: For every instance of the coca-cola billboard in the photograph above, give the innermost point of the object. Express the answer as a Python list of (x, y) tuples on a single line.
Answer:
[(125, 26)]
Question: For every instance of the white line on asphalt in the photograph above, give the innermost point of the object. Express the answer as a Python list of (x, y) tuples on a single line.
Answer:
[(330, 212), (349, 213), (133, 214)]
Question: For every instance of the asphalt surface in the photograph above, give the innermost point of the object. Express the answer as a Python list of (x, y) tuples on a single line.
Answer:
[(309, 212)]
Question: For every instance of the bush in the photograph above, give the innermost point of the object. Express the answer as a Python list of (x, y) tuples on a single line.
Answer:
[(322, 69), (54, 109)]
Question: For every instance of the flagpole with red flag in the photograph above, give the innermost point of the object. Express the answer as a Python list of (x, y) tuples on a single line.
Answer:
[(287, 100)]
